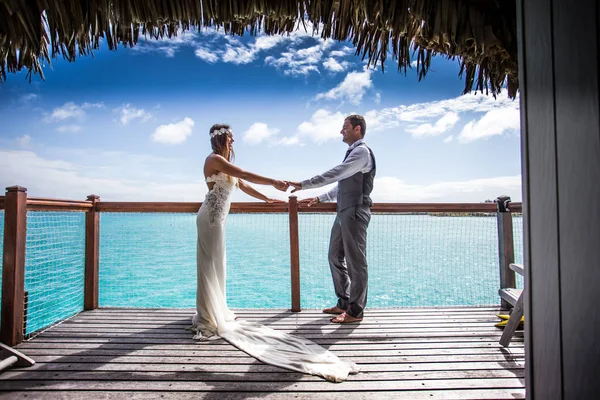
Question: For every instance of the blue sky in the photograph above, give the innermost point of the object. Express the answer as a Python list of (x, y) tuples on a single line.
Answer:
[(132, 125)]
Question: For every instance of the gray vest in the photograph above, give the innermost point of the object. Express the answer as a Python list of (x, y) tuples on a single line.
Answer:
[(355, 190)]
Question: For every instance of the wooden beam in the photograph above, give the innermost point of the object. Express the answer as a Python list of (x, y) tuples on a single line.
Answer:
[(13, 270), (259, 207), (541, 255), (506, 249), (294, 254), (576, 57), (92, 251), (57, 205)]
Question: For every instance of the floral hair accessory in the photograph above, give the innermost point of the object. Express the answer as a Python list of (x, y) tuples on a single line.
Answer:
[(220, 132)]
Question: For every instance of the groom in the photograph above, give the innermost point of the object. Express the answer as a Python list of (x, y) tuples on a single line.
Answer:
[(348, 242)]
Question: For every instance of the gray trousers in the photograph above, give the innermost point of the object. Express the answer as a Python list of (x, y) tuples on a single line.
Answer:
[(348, 258)]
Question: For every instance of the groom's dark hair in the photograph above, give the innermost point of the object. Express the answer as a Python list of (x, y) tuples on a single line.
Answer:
[(358, 120)]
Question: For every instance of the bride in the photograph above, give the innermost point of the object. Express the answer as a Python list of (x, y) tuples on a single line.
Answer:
[(213, 318)]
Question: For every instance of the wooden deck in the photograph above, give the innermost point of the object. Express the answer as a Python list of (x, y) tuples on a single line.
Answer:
[(432, 353)]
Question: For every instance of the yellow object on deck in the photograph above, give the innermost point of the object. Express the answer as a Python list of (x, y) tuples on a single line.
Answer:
[(504, 318)]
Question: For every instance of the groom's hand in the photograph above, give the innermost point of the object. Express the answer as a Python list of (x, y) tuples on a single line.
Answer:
[(297, 186), (311, 201)]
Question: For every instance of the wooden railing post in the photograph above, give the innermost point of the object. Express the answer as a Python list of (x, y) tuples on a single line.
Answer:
[(506, 248), (294, 254), (13, 270), (92, 251)]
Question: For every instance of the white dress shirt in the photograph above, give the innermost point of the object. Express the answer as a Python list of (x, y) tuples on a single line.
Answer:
[(359, 160)]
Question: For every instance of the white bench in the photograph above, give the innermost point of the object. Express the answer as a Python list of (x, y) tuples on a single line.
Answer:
[(515, 298), (10, 357)]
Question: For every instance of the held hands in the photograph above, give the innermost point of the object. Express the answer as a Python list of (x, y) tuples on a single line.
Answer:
[(281, 185), (284, 185), (296, 185), (311, 201)]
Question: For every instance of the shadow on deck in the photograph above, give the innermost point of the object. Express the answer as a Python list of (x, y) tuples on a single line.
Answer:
[(412, 353)]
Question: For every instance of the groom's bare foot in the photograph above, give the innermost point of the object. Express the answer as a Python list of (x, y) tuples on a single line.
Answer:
[(345, 318), (334, 310)]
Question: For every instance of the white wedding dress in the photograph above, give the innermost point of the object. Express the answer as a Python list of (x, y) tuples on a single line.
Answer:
[(214, 319)]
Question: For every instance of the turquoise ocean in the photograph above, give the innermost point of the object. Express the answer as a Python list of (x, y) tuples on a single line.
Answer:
[(148, 260)]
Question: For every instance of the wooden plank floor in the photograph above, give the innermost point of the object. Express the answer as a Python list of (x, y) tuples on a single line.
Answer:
[(433, 353)]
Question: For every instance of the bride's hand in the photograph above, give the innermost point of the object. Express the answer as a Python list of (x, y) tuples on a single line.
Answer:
[(273, 201), (281, 185)]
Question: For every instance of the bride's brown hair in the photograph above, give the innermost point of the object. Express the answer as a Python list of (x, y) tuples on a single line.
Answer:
[(219, 142)]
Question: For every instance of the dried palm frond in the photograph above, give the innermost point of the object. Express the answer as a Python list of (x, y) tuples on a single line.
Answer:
[(480, 33)]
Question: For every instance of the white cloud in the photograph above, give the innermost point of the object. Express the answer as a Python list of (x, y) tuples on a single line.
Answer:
[(92, 105), (235, 51), (289, 141), (331, 64), (129, 113), (28, 98), (174, 133), (352, 88), (296, 60), (301, 62), (239, 54), (259, 132), (342, 52), (325, 125), (493, 123), (439, 117), (68, 128), (449, 139), (206, 54), (441, 126), (23, 141), (466, 103), (44, 177), (322, 127), (265, 42), (70, 110), (377, 122), (391, 189), (168, 46), (126, 181)]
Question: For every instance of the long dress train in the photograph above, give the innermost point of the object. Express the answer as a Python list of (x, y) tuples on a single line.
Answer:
[(213, 319)]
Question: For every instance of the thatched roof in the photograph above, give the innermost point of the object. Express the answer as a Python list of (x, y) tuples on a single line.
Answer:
[(481, 33)]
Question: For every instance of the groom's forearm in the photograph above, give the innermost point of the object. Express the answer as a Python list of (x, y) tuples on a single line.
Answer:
[(353, 164), (329, 196), (331, 176)]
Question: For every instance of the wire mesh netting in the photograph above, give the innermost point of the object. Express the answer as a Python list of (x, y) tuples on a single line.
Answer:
[(518, 245), (414, 260), (54, 267), (149, 260)]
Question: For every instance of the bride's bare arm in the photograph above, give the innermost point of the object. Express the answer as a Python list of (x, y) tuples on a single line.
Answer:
[(249, 190), (219, 163)]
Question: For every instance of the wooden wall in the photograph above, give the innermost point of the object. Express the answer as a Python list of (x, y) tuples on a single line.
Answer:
[(560, 107)]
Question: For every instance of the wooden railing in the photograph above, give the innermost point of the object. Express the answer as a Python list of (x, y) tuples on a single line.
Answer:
[(16, 204)]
